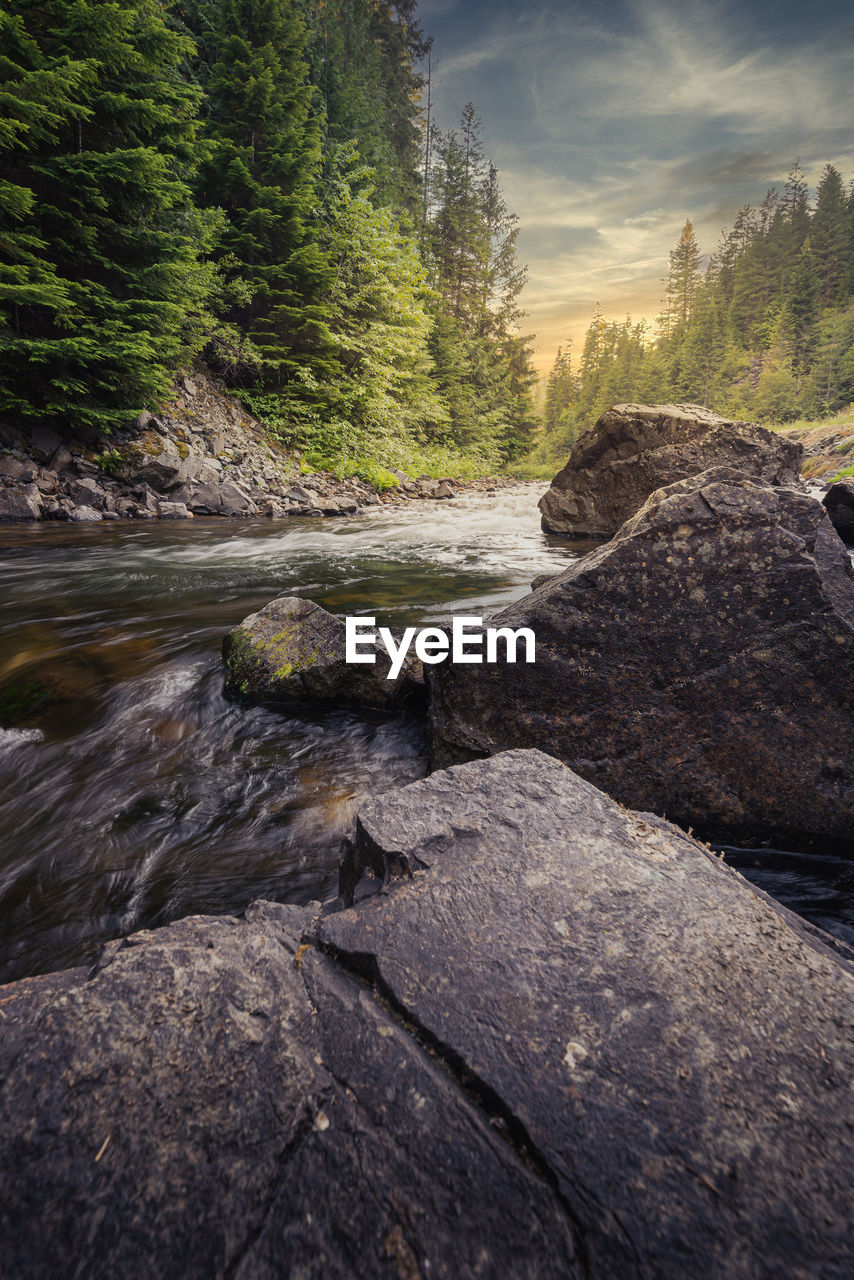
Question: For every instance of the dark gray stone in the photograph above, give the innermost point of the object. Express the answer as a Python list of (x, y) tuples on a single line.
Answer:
[(839, 503), (700, 665), (635, 449), (671, 1050), (293, 651), (217, 1100), (19, 504)]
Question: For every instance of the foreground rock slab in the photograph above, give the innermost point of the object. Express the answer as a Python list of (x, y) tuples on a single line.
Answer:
[(701, 665), (635, 449), (671, 1050), (216, 1099), (293, 651)]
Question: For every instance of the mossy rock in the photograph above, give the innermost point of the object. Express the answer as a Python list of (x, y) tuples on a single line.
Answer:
[(293, 651)]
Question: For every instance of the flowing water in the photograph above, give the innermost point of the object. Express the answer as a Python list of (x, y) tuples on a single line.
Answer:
[(132, 792)]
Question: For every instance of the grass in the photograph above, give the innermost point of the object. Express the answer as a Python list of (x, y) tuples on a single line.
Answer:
[(843, 418)]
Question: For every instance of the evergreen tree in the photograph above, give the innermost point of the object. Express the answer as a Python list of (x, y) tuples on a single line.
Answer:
[(105, 283), (263, 168), (829, 237)]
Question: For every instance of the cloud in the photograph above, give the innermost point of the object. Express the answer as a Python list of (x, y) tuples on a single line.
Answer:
[(612, 124)]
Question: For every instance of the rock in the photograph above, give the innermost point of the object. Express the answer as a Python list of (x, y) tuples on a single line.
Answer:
[(218, 1098), (83, 513), (700, 665), (670, 1049), (20, 504), (443, 490), (216, 498), (173, 511), (87, 492), (293, 651), (61, 458), (635, 449), (44, 443), (11, 467), (839, 503), (162, 471)]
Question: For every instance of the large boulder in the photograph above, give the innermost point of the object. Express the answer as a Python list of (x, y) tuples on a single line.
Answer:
[(571, 1043), (839, 504), (219, 1099), (293, 651), (635, 449), (669, 1049), (701, 665)]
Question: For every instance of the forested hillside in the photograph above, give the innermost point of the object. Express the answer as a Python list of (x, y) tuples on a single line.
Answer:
[(764, 330), (252, 182)]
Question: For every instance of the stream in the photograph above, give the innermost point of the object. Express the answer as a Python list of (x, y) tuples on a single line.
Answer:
[(132, 792)]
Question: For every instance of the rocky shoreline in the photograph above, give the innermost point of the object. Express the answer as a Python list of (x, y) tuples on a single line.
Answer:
[(202, 455)]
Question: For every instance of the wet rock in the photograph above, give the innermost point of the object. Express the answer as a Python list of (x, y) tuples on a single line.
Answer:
[(635, 449), (293, 651), (670, 1048), (219, 1099), (20, 504), (700, 665), (839, 503)]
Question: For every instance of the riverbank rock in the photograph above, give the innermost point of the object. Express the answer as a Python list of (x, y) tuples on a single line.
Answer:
[(293, 651), (839, 504), (700, 665), (571, 1043), (635, 449)]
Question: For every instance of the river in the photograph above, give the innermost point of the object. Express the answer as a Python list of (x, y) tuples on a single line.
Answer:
[(132, 792)]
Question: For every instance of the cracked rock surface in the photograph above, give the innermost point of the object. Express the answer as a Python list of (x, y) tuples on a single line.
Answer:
[(700, 665), (635, 449), (570, 1043)]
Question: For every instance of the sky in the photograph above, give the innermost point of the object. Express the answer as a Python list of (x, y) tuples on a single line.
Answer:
[(613, 121)]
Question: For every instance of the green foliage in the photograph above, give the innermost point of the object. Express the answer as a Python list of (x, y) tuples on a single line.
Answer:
[(106, 271), (242, 178), (765, 332)]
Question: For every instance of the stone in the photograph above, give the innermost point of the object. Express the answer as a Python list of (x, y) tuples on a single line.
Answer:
[(635, 449), (700, 665), (173, 511), (61, 458), (87, 492), (670, 1048), (83, 513), (442, 490), (11, 467), (219, 1098), (20, 504), (839, 504), (44, 442), (293, 651)]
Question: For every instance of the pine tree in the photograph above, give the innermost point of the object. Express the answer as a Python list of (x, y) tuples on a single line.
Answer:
[(107, 284), (829, 237), (263, 168), (683, 276)]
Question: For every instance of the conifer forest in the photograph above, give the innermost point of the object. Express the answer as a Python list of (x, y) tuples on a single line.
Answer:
[(762, 328), (258, 184)]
